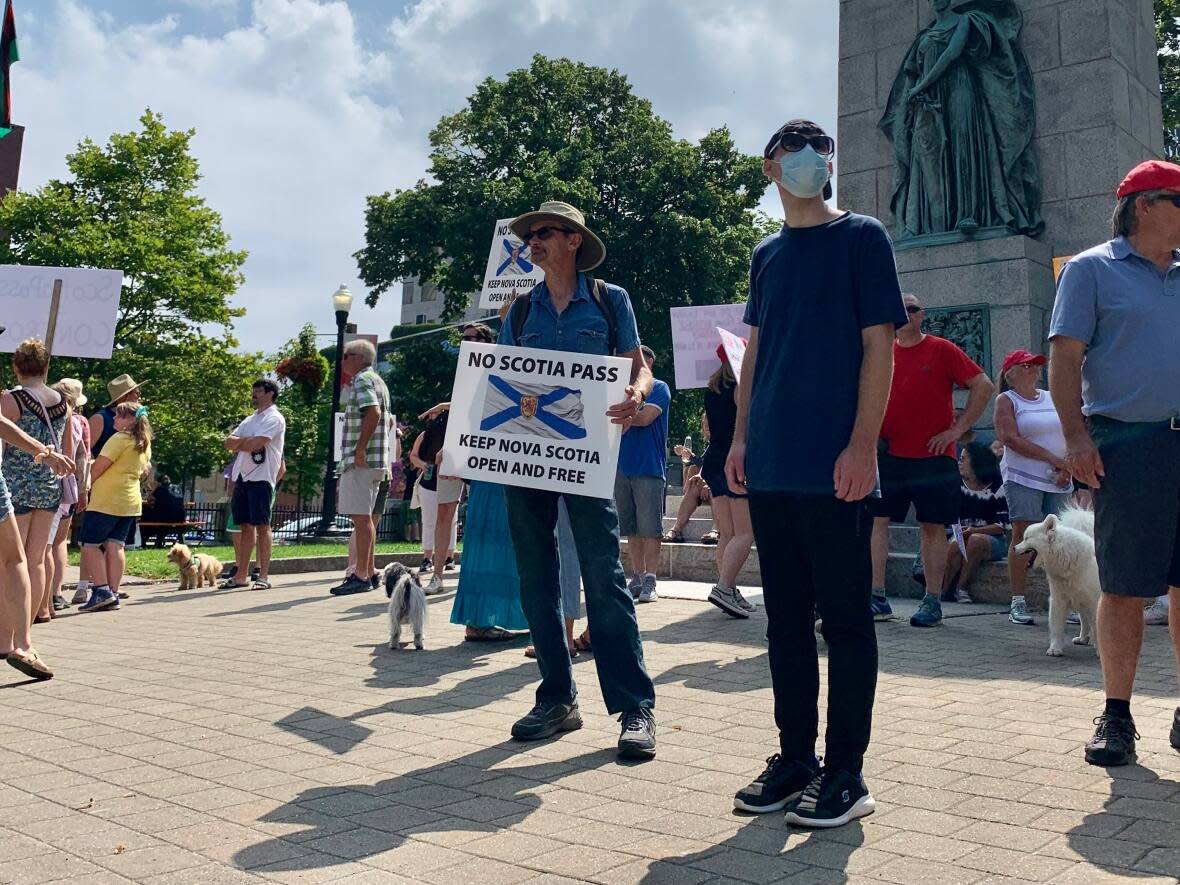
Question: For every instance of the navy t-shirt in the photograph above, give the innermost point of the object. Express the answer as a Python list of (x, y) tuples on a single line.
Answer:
[(643, 451), (812, 291)]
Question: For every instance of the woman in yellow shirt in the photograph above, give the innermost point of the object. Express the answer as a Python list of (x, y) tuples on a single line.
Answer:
[(115, 503)]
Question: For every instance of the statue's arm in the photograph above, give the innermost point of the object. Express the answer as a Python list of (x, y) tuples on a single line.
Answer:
[(953, 50)]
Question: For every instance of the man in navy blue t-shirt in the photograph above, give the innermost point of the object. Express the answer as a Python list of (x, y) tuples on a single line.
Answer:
[(824, 303)]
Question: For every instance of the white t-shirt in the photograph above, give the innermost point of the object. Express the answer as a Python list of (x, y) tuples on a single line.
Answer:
[(271, 424)]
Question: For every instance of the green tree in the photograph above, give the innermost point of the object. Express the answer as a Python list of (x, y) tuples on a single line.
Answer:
[(132, 205), (421, 373), (1167, 39), (304, 375), (677, 218)]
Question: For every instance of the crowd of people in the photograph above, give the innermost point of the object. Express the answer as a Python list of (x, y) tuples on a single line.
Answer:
[(842, 420)]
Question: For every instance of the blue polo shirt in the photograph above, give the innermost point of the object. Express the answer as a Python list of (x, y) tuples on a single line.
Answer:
[(1127, 313), (812, 292), (580, 328), (643, 451)]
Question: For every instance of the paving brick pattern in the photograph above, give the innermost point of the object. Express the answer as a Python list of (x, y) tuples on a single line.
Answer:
[(226, 737)]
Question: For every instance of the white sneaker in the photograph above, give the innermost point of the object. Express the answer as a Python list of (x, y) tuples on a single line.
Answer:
[(1156, 614), (434, 587), (648, 592)]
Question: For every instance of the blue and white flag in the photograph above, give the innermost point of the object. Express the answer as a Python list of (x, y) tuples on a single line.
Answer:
[(533, 409)]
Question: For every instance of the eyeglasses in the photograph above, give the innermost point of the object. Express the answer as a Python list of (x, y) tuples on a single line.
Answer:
[(914, 308), (544, 233), (793, 142)]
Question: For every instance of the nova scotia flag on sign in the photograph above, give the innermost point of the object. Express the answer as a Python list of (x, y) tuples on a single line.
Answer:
[(533, 409)]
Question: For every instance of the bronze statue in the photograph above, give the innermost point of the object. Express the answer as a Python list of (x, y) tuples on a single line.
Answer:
[(961, 119)]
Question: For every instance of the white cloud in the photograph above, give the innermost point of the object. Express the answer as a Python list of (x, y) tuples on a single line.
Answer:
[(299, 117)]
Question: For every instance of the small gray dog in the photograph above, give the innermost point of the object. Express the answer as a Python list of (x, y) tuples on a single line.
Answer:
[(407, 604)]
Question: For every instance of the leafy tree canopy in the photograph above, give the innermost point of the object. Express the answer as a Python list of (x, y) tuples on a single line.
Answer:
[(132, 205), (1167, 39)]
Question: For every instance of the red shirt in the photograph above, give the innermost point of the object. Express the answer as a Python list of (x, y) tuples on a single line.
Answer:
[(920, 403)]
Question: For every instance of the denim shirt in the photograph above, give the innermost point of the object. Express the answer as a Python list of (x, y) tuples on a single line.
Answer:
[(580, 328)]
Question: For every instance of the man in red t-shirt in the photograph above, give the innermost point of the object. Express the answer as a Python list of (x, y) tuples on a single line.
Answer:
[(919, 465)]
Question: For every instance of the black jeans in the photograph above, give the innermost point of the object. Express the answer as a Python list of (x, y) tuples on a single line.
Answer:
[(614, 632), (814, 552)]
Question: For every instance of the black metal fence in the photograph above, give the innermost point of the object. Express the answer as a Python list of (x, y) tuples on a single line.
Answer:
[(292, 525)]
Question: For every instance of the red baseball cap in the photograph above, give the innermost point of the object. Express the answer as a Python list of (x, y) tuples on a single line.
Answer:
[(1149, 176), (1022, 358), (721, 355)]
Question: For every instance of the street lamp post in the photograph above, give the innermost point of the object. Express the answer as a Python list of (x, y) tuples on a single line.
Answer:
[(341, 304)]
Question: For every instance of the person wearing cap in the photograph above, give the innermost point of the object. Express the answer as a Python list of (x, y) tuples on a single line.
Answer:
[(824, 298), (565, 312), (919, 465), (1036, 482), (1114, 367)]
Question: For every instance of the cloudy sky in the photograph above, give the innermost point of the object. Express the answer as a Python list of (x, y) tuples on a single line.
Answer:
[(304, 107)]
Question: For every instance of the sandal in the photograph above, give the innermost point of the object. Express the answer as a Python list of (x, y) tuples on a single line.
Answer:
[(710, 537), (530, 651), (487, 634), (260, 584), (582, 643), (231, 585), (29, 663), (674, 536)]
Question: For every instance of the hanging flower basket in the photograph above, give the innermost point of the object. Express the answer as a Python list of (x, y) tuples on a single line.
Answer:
[(305, 371)]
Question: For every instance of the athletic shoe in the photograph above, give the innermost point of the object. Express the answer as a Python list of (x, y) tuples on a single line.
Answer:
[(434, 587), (635, 587), (638, 738), (1113, 742), (780, 782), (80, 595), (375, 580), (449, 565), (962, 596), (1174, 737), (1156, 614), (947, 595), (59, 603), (351, 585), (929, 613), (725, 599), (545, 720), (1018, 613), (745, 604), (426, 567), (832, 799), (99, 599), (881, 609), (1074, 618), (648, 593)]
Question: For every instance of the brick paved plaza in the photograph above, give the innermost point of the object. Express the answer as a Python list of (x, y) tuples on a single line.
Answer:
[(220, 737)]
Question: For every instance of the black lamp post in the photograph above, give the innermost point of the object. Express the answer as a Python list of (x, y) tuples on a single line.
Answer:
[(341, 304)]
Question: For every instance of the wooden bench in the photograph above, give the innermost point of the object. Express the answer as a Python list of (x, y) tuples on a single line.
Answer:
[(161, 531)]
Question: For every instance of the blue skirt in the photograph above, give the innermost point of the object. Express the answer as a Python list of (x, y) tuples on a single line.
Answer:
[(489, 586)]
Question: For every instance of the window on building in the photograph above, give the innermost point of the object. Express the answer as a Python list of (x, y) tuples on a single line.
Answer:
[(429, 293), (421, 318)]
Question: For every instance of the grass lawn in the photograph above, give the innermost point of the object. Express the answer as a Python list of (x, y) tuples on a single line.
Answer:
[(153, 562)]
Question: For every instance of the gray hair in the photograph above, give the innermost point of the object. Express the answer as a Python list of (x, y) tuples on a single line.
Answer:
[(364, 349), (1125, 220)]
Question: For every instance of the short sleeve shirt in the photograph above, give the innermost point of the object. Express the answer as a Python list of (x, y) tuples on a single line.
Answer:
[(812, 292), (643, 451), (1127, 313), (366, 390), (921, 403), (580, 328), (116, 491), (263, 465)]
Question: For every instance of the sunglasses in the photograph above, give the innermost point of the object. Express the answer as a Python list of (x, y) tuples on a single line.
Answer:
[(913, 308), (544, 233), (1174, 199), (793, 142)]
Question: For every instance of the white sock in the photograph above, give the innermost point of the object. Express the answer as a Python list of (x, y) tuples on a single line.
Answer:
[(83, 585)]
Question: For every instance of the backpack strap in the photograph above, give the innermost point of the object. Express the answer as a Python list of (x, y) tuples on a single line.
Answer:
[(518, 313), (599, 295)]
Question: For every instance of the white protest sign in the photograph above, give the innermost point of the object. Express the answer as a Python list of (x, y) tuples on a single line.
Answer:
[(510, 272), (87, 310), (535, 418), (735, 350), (391, 428), (694, 340), (338, 445)]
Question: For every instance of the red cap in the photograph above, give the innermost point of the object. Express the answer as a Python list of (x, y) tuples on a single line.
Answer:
[(1022, 358), (1149, 176), (721, 355)]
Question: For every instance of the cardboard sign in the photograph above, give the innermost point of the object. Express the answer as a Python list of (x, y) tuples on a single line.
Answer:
[(88, 307), (535, 418), (694, 340), (735, 350), (509, 272)]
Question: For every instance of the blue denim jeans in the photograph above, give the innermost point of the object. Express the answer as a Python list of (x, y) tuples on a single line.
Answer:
[(618, 653), (570, 571)]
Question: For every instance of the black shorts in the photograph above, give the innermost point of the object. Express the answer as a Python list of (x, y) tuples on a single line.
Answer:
[(714, 477), (1137, 507), (252, 502), (930, 484)]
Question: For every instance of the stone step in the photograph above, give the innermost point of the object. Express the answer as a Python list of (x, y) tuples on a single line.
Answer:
[(695, 528), (672, 505)]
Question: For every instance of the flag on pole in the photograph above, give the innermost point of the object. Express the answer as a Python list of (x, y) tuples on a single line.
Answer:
[(8, 54)]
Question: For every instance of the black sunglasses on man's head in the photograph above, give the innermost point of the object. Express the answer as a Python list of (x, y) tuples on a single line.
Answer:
[(793, 142)]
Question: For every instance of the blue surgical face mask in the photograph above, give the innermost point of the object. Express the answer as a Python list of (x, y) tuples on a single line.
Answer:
[(804, 173)]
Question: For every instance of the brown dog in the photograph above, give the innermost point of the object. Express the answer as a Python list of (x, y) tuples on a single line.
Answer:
[(194, 569)]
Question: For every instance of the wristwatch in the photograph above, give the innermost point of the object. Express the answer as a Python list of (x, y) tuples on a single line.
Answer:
[(642, 400)]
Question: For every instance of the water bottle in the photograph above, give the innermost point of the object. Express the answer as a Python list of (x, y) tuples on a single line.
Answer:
[(688, 447)]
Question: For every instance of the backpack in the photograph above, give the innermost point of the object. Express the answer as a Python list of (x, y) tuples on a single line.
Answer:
[(518, 314)]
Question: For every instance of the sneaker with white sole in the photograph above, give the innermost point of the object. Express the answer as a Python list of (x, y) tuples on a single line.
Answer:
[(744, 603), (637, 739), (881, 609), (832, 799), (725, 598), (648, 591), (1156, 614), (100, 598), (434, 587), (635, 587), (1018, 612), (962, 596), (1074, 618)]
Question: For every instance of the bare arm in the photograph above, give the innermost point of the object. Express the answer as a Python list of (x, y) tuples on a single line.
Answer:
[(1065, 384), (979, 394), (855, 473), (735, 462), (1009, 435), (101, 464), (647, 416), (414, 458)]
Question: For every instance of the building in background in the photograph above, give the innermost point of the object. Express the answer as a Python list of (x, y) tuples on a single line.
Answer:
[(423, 303)]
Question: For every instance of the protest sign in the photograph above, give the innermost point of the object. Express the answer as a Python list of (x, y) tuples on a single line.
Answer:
[(535, 418), (735, 350), (509, 272), (694, 340), (72, 309)]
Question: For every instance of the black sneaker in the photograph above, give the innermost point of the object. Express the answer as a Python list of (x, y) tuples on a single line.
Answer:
[(449, 565), (1174, 737), (351, 584), (545, 720), (782, 781), (1113, 742), (638, 739), (833, 798), (426, 567), (375, 581)]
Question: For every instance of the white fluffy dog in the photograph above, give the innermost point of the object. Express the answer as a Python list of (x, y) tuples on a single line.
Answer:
[(407, 604), (1064, 548)]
